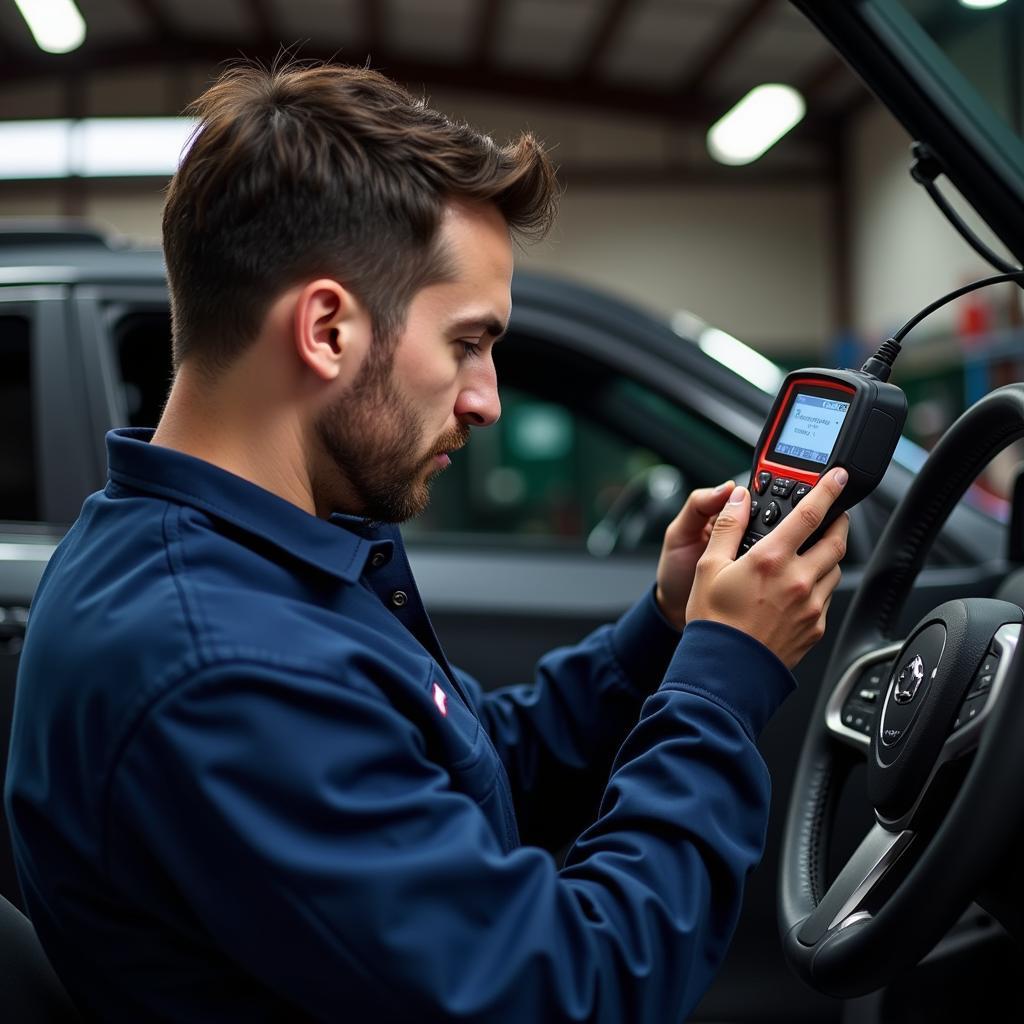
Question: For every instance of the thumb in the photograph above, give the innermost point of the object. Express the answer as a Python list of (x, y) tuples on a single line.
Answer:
[(730, 526), (699, 508)]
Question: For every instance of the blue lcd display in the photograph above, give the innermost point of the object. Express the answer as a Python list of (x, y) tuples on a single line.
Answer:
[(811, 428)]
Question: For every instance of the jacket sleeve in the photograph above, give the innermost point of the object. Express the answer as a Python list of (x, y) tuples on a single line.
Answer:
[(558, 735), (344, 872)]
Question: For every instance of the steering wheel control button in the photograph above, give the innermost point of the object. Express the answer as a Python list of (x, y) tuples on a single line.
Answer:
[(782, 487), (860, 708), (981, 684), (771, 514), (861, 720), (916, 667), (876, 676), (983, 678), (762, 482), (969, 710), (800, 491)]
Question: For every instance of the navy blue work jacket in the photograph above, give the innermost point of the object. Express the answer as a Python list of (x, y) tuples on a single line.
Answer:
[(245, 783)]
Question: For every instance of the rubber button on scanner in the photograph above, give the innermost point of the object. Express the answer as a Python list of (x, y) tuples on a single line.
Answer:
[(771, 514), (762, 482), (399, 598), (800, 491), (749, 541), (755, 507), (782, 487)]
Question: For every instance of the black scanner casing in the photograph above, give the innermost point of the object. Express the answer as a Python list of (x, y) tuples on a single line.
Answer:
[(864, 447)]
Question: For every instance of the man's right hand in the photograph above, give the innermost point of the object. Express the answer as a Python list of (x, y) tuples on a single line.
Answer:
[(772, 593)]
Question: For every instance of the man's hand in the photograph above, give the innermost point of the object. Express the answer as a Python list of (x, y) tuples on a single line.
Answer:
[(685, 540), (772, 593)]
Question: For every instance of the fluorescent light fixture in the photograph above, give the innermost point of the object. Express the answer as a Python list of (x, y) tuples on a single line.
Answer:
[(755, 124), (981, 5), (741, 359), (98, 147), (112, 147), (56, 25), (34, 149)]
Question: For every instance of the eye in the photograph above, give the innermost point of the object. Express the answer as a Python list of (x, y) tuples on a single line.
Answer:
[(470, 347)]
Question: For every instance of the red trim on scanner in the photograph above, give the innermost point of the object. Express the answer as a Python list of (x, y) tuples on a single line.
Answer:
[(764, 464)]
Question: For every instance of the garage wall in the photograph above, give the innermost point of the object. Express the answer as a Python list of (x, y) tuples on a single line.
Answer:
[(755, 262), (754, 259), (905, 254)]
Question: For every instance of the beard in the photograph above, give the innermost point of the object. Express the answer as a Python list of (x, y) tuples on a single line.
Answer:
[(373, 438)]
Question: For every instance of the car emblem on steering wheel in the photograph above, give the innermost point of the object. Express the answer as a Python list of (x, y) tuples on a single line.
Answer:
[(910, 678)]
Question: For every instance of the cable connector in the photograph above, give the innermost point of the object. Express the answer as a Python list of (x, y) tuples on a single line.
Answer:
[(880, 364)]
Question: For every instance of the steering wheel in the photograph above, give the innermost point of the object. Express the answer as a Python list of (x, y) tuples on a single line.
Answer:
[(938, 717)]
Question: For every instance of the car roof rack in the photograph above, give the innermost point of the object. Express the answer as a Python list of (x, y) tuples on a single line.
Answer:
[(29, 231)]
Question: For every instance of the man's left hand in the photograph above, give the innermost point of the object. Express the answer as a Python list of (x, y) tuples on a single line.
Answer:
[(685, 540)]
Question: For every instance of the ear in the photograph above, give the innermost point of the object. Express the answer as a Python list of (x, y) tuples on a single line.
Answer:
[(330, 326)]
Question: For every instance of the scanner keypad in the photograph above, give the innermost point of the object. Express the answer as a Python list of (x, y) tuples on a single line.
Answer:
[(783, 494)]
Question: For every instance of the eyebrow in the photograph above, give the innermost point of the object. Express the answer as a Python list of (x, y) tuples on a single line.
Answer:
[(488, 324)]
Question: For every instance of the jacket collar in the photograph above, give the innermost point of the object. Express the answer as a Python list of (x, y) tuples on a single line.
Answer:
[(339, 546)]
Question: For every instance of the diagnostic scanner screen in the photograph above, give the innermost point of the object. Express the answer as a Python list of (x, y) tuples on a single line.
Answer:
[(811, 428)]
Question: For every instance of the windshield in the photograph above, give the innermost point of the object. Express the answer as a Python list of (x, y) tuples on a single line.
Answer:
[(974, 47), (962, 59), (967, 53)]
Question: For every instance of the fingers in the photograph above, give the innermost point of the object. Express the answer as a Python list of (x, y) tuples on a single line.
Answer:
[(709, 500), (821, 598), (729, 526), (810, 513), (821, 593), (701, 505), (830, 549)]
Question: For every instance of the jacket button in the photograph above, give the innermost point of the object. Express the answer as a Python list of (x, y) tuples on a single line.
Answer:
[(399, 598), (378, 559)]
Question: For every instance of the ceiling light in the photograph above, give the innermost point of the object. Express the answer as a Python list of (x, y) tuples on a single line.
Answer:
[(981, 5), (34, 149), (96, 147), (107, 147), (755, 124), (56, 25)]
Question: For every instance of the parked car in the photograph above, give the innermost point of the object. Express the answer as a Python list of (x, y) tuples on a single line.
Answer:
[(548, 526)]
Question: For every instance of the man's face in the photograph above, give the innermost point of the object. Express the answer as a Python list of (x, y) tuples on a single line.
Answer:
[(392, 432)]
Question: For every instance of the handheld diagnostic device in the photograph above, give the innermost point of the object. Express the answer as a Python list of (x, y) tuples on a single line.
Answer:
[(827, 418), (822, 419)]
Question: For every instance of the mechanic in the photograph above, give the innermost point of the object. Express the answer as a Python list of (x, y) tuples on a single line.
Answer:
[(245, 782)]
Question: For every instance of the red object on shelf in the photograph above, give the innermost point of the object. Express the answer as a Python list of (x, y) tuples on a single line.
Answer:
[(974, 318)]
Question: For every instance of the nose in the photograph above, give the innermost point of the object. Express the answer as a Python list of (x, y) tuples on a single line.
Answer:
[(478, 404)]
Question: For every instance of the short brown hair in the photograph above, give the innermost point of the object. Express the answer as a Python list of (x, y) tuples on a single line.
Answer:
[(297, 172)]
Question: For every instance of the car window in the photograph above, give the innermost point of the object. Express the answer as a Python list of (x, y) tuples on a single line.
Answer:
[(539, 473), (142, 347), (582, 457), (18, 497)]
